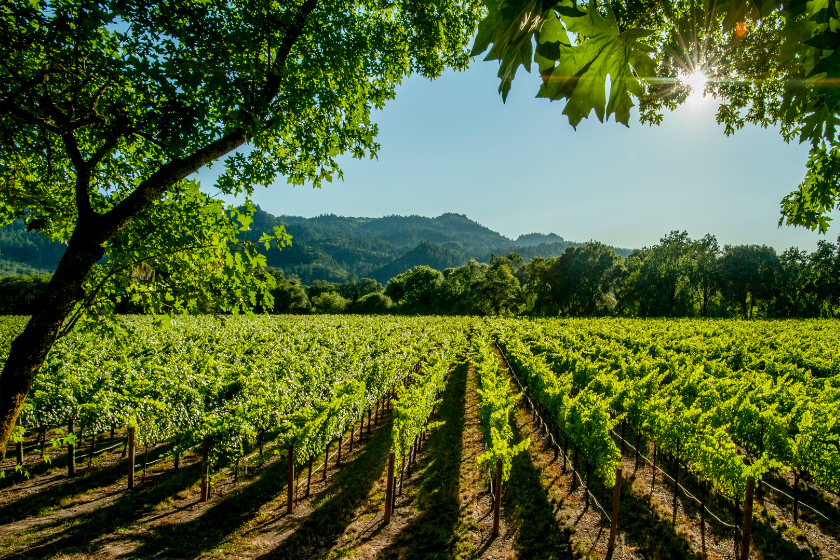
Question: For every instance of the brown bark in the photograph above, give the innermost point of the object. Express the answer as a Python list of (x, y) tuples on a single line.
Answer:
[(86, 246)]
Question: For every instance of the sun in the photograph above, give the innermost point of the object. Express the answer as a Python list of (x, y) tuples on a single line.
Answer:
[(696, 81)]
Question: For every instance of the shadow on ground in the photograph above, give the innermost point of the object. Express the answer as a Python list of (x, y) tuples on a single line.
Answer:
[(52, 495), (96, 529), (433, 532), (321, 528)]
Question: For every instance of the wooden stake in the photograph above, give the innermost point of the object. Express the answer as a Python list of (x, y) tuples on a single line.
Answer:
[(703, 516), (338, 458), (623, 426), (309, 475), (402, 470), (368, 427), (653, 476), (795, 497), (676, 479), (376, 416), (177, 460), (71, 449), (497, 503), (92, 450), (351, 438), (748, 510), (638, 443), (614, 521), (131, 450), (290, 481), (205, 451), (389, 487), (326, 462)]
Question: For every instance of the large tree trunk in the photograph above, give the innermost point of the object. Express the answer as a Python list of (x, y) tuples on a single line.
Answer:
[(29, 350)]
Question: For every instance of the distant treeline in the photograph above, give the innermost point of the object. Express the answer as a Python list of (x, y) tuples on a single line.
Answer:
[(679, 277)]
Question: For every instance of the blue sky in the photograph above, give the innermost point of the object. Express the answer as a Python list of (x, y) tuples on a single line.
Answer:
[(451, 145)]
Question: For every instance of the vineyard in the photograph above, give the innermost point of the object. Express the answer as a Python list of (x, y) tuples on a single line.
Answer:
[(336, 436)]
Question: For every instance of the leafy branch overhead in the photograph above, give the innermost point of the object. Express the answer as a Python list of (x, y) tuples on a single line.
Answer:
[(768, 62)]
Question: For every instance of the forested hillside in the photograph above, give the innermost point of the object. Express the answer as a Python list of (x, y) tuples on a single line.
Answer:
[(336, 248), (26, 252)]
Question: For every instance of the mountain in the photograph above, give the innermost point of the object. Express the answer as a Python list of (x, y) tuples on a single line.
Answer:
[(337, 248), (427, 253), (529, 239)]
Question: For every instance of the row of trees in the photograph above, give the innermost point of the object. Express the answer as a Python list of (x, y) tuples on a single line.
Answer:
[(678, 277)]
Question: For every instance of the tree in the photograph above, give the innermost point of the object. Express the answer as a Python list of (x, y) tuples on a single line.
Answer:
[(458, 293), (771, 62), (106, 109), (371, 304), (794, 285), (538, 294), (329, 303), (825, 266), (706, 273), (500, 293), (583, 278), (289, 295), (415, 290), (670, 264), (748, 274)]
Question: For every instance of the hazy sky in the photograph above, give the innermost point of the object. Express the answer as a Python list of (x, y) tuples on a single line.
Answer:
[(452, 146)]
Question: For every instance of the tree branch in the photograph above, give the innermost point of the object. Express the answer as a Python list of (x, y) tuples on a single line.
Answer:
[(160, 181), (83, 206)]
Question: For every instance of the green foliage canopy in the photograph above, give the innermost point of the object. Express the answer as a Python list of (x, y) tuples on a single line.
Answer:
[(106, 109), (771, 62)]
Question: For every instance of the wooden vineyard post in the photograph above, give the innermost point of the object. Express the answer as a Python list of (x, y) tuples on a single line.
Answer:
[(497, 499), (653, 470), (338, 458), (376, 416), (309, 475), (795, 496), (389, 487), (326, 462), (261, 441), (676, 479), (368, 420), (92, 450), (71, 449), (131, 430), (205, 451), (177, 460), (623, 426), (748, 510), (290, 482), (638, 443), (411, 456), (736, 540), (614, 520), (703, 516), (760, 455), (351, 439)]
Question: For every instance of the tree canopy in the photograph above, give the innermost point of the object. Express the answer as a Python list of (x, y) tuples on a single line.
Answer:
[(770, 62), (108, 108)]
